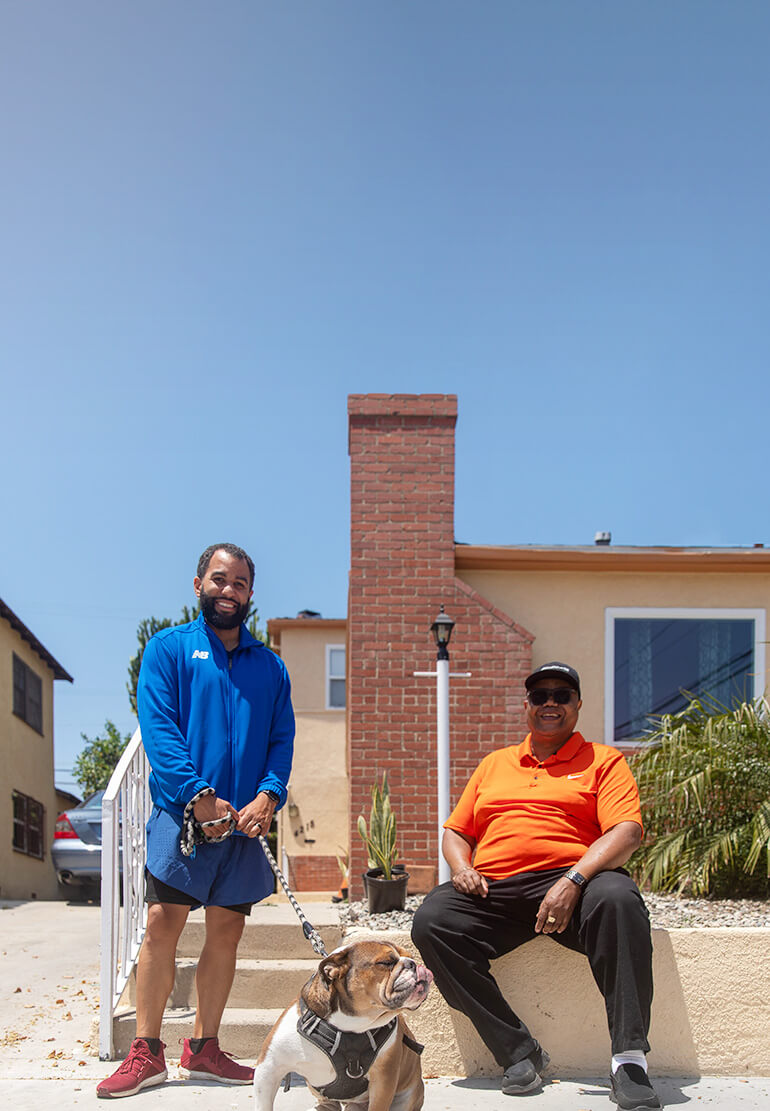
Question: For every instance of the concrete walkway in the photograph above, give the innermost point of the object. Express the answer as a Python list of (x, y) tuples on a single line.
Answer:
[(49, 987), (444, 1094)]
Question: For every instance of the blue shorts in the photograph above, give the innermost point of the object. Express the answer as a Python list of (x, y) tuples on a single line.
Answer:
[(222, 874)]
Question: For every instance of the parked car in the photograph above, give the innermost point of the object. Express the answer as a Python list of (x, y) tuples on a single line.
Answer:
[(77, 848)]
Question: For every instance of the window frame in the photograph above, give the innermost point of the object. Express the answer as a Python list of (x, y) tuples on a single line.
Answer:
[(652, 613), (25, 825), (21, 668), (329, 676)]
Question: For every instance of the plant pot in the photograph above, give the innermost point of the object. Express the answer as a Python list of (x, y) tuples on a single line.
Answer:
[(383, 895)]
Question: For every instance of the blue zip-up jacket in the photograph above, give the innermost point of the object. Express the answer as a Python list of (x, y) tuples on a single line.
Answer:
[(209, 720)]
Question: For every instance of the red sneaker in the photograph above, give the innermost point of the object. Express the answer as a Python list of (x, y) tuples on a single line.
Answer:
[(212, 1064), (141, 1069)]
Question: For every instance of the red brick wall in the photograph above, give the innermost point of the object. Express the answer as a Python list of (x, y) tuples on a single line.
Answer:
[(314, 873), (401, 570)]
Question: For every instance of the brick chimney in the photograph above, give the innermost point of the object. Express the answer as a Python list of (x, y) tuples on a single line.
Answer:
[(401, 570)]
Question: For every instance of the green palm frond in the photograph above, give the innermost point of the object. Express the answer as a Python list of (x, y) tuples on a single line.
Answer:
[(704, 781), (760, 840)]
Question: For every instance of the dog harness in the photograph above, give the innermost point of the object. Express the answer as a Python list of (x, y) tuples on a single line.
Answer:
[(351, 1054)]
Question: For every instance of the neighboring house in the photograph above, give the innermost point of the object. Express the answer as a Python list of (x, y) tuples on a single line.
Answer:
[(28, 800), (65, 800), (313, 826)]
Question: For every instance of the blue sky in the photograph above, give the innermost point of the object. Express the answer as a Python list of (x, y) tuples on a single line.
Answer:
[(218, 220)]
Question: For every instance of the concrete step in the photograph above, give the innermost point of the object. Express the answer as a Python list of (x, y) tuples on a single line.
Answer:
[(272, 983), (274, 960), (271, 932), (241, 1033)]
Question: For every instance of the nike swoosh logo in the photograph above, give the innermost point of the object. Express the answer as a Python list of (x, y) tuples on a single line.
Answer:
[(575, 775)]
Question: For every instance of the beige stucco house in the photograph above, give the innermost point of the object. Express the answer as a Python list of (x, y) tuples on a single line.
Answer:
[(313, 826), (640, 624), (28, 801)]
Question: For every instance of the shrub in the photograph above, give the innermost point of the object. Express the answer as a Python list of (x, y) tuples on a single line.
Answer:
[(704, 781)]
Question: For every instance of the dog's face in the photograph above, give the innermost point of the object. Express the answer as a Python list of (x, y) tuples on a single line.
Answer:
[(367, 979)]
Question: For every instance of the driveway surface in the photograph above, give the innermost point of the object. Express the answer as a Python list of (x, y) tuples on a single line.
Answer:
[(49, 992)]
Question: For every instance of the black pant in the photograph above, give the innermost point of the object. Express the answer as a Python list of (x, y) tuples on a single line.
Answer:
[(459, 934)]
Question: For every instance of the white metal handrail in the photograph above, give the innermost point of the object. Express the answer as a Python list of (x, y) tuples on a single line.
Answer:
[(126, 806)]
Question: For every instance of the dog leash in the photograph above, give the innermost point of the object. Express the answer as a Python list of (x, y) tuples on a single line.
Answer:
[(310, 932), (193, 835)]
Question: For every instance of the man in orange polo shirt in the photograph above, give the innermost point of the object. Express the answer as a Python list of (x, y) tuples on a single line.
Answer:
[(536, 845)]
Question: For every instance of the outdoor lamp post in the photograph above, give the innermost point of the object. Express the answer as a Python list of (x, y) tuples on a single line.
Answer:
[(442, 631)]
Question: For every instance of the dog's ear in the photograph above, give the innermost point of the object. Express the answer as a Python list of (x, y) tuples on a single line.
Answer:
[(331, 967), (320, 988)]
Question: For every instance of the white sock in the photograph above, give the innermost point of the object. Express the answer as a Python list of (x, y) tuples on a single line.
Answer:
[(630, 1057)]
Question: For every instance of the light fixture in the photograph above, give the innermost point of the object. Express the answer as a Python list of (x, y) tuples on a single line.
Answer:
[(442, 631)]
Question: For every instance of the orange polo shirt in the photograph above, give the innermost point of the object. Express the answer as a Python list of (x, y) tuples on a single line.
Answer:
[(528, 816)]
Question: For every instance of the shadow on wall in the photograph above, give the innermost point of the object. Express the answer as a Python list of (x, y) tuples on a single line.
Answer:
[(673, 1049)]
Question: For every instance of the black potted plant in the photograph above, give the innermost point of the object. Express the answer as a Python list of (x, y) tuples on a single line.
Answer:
[(385, 882)]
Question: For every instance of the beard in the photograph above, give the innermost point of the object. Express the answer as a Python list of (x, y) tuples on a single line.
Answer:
[(217, 620)]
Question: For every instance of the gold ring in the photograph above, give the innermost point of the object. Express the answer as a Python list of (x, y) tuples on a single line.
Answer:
[(550, 918)]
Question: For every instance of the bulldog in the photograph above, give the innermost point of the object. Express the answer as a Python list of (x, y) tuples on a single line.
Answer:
[(346, 1034)]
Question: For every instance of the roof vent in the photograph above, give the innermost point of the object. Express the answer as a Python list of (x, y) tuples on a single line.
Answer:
[(604, 538), (308, 613)]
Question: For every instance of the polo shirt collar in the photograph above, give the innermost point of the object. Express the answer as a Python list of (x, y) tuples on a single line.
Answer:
[(567, 751)]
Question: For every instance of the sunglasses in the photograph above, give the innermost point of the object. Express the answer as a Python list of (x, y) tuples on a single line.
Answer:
[(561, 696)]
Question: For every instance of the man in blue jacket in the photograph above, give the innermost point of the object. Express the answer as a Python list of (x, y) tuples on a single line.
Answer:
[(218, 728)]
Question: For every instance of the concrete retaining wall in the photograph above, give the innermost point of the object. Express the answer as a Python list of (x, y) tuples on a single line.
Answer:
[(711, 1012)]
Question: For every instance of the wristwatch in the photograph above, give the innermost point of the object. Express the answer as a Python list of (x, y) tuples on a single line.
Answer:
[(277, 798), (576, 877)]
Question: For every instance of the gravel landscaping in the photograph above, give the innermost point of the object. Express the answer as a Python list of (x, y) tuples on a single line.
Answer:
[(666, 911)]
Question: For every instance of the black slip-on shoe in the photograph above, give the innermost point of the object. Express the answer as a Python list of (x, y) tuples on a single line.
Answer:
[(631, 1089), (524, 1076)]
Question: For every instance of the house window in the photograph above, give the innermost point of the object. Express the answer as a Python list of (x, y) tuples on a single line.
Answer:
[(27, 694), (655, 658), (28, 834), (335, 676)]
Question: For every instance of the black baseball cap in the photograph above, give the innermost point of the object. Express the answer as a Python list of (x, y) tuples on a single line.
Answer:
[(554, 670)]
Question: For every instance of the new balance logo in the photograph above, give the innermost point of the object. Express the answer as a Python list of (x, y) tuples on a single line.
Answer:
[(200, 655)]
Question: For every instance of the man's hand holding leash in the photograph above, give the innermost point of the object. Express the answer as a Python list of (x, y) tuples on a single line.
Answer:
[(256, 816), (209, 809)]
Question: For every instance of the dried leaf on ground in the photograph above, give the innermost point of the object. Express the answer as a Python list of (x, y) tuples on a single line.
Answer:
[(11, 1037)]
